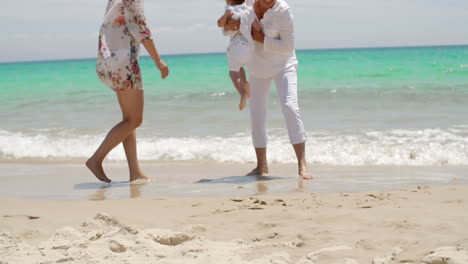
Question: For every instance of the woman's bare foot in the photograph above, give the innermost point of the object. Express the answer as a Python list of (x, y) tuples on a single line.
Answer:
[(263, 172), (304, 173), (140, 177), (141, 181), (96, 168)]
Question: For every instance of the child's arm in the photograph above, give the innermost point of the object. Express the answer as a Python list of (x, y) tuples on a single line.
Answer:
[(256, 26), (222, 20)]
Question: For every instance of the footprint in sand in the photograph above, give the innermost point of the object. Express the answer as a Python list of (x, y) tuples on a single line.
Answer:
[(315, 256), (195, 229), (168, 238), (265, 237), (449, 255), (64, 238), (107, 219), (262, 225), (30, 217), (389, 257), (117, 247)]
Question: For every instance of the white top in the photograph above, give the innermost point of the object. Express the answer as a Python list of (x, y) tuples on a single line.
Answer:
[(246, 15), (277, 52)]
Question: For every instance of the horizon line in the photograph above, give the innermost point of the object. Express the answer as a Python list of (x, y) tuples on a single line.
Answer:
[(222, 52)]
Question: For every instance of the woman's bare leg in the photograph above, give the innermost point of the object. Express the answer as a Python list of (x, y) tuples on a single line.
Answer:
[(301, 161), (132, 101), (130, 146), (258, 120)]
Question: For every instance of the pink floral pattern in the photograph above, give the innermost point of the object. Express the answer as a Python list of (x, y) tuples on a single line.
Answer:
[(121, 33)]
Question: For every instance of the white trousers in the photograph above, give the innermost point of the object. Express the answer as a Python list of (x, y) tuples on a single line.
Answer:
[(286, 86)]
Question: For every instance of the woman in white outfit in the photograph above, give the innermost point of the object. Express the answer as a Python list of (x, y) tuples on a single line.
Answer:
[(274, 60)]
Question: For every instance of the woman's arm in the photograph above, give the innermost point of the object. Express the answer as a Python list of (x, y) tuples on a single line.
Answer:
[(135, 20), (153, 52), (136, 24), (285, 43)]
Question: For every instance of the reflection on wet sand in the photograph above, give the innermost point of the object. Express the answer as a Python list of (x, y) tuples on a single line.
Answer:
[(261, 185), (300, 184), (135, 190), (134, 187), (99, 195), (262, 188)]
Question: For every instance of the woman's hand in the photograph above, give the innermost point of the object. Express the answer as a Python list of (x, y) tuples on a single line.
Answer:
[(258, 35), (163, 68), (153, 52), (232, 25)]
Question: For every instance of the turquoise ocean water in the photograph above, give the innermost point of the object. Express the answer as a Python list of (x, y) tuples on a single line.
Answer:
[(382, 106)]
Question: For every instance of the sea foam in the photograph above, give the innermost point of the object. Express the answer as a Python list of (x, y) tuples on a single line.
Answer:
[(447, 146)]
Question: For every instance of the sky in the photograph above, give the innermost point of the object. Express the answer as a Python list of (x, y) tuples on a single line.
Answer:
[(68, 29)]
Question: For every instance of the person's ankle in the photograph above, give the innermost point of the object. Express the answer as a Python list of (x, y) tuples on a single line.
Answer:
[(95, 160)]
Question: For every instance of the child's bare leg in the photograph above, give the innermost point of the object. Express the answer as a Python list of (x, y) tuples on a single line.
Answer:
[(243, 78), (236, 80)]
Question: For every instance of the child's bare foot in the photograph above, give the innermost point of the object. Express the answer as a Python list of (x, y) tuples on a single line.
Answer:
[(96, 168), (256, 26), (243, 101), (247, 89)]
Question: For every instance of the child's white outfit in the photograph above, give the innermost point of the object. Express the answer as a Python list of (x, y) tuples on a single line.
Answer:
[(241, 46)]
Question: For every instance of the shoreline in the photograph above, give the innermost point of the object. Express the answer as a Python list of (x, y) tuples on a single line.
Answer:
[(65, 181)]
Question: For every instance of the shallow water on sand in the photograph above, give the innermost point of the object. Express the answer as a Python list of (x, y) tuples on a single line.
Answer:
[(201, 179)]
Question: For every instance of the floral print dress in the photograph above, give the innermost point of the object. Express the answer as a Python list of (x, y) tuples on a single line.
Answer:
[(122, 31)]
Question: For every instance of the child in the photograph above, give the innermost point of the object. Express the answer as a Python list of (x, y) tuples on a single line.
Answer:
[(241, 45)]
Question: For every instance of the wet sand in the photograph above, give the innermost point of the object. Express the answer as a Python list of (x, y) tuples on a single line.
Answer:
[(62, 181)]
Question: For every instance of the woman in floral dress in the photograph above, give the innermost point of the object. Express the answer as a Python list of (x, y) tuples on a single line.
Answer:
[(122, 31)]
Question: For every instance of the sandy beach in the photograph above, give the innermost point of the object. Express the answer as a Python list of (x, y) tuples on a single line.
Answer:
[(370, 96), (416, 224)]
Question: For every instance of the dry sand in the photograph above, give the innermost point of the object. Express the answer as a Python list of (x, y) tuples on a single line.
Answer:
[(417, 225)]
